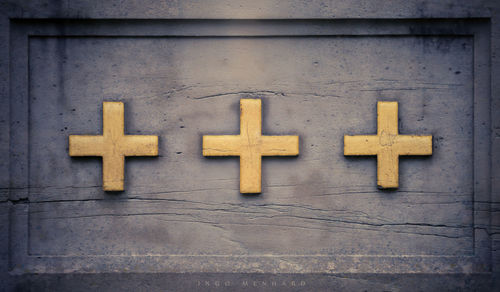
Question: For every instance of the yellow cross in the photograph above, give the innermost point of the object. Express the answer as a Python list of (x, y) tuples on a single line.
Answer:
[(113, 146), (388, 145), (250, 145)]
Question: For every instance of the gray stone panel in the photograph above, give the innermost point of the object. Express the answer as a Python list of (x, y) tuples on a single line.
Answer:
[(318, 88), (182, 224)]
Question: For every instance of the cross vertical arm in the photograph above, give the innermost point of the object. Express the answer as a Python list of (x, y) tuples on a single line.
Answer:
[(387, 118), (113, 120), (251, 119), (250, 172), (113, 172), (387, 168)]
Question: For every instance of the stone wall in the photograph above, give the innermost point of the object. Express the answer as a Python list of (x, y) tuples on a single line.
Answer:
[(320, 222)]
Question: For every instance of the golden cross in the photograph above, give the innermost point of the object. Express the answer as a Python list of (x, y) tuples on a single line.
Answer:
[(113, 145), (388, 145), (250, 145)]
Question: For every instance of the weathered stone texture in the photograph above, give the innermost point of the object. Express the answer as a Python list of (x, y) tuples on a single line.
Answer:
[(181, 223)]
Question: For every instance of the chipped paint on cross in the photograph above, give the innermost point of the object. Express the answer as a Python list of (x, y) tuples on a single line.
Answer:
[(113, 145), (250, 145), (388, 145)]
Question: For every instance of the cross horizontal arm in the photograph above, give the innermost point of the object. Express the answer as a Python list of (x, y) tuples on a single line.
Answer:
[(140, 145), (361, 145), (86, 145), (228, 145), (414, 145), (280, 145)]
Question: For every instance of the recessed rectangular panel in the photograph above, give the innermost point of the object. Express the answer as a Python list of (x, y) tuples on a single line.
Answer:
[(317, 87)]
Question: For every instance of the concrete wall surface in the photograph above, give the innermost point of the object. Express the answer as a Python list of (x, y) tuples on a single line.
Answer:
[(181, 68)]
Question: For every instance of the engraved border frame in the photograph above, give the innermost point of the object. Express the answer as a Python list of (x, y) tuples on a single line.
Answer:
[(21, 262)]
